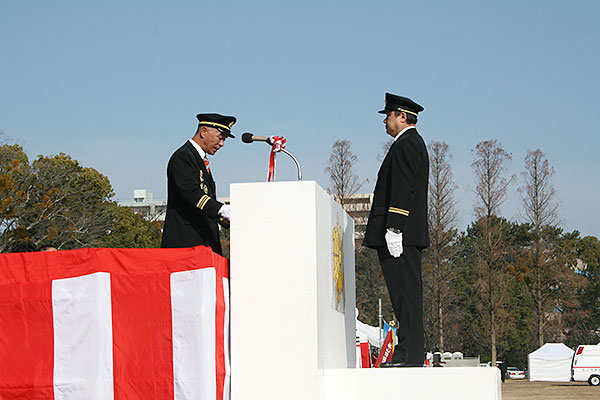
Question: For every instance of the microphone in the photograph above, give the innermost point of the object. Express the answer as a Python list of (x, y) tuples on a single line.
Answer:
[(249, 138)]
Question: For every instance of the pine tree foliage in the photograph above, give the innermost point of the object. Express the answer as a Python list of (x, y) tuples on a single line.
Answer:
[(54, 200)]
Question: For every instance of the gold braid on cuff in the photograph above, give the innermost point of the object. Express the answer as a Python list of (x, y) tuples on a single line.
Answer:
[(202, 202)]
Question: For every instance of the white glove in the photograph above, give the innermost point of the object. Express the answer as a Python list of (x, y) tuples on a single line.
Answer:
[(225, 211), (394, 243)]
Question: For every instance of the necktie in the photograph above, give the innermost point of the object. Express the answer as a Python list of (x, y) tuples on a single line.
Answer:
[(206, 165)]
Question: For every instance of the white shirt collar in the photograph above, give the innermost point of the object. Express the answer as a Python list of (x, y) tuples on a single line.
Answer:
[(402, 131), (198, 148)]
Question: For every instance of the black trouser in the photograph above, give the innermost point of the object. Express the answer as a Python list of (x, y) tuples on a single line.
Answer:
[(403, 279)]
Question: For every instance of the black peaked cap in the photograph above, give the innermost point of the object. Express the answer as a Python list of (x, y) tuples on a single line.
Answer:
[(399, 103), (222, 122)]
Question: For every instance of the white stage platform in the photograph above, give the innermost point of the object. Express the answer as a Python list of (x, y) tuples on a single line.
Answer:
[(476, 383)]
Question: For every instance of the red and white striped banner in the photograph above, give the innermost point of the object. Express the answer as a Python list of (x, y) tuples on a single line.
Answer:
[(100, 324)]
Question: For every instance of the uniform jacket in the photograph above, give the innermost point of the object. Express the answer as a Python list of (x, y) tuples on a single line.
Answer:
[(192, 207), (400, 196)]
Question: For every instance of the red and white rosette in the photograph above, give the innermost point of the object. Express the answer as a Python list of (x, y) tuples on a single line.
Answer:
[(277, 145)]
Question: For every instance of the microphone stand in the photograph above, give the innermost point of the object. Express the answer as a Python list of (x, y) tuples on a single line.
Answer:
[(296, 161)]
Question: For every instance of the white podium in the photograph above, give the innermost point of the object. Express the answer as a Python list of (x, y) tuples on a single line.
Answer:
[(292, 249), (292, 288)]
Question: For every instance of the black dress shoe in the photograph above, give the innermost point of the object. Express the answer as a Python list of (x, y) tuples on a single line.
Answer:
[(392, 364)]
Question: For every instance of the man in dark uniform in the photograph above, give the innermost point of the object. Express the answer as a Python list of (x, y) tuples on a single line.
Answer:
[(397, 226), (193, 212)]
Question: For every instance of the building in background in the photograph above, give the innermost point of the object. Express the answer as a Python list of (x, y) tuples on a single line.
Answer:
[(358, 207), (144, 205)]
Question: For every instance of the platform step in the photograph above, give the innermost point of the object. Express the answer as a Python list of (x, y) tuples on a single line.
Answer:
[(473, 383)]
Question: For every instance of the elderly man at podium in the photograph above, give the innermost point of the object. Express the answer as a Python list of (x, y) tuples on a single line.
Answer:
[(193, 212), (397, 226)]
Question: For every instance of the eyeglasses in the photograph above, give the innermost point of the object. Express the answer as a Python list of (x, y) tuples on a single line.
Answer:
[(222, 135)]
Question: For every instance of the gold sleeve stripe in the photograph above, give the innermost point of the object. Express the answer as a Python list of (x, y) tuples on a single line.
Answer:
[(399, 211), (202, 202)]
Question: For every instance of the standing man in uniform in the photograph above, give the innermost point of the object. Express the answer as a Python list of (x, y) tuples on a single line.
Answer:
[(193, 212), (397, 226)]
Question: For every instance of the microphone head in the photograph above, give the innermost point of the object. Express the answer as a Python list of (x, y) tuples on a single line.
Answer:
[(247, 137)]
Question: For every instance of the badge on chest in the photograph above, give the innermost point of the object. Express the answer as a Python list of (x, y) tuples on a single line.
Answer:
[(203, 184)]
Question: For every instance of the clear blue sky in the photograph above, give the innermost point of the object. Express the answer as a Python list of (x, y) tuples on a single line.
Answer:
[(117, 84)]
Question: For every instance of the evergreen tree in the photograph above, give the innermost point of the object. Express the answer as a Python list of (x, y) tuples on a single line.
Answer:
[(54, 200)]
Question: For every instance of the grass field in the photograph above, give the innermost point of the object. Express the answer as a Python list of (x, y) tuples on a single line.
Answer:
[(525, 390)]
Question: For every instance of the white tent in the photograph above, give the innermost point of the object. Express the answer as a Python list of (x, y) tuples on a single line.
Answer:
[(551, 362)]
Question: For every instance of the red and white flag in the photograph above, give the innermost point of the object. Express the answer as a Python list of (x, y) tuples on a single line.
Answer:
[(100, 324)]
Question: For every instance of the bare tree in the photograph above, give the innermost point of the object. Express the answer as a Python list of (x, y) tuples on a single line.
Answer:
[(540, 202), (492, 246), (543, 269), (3, 138), (438, 271), (385, 146), (489, 167), (340, 168)]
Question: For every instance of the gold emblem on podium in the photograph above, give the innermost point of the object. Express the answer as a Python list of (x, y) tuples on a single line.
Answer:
[(338, 266)]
